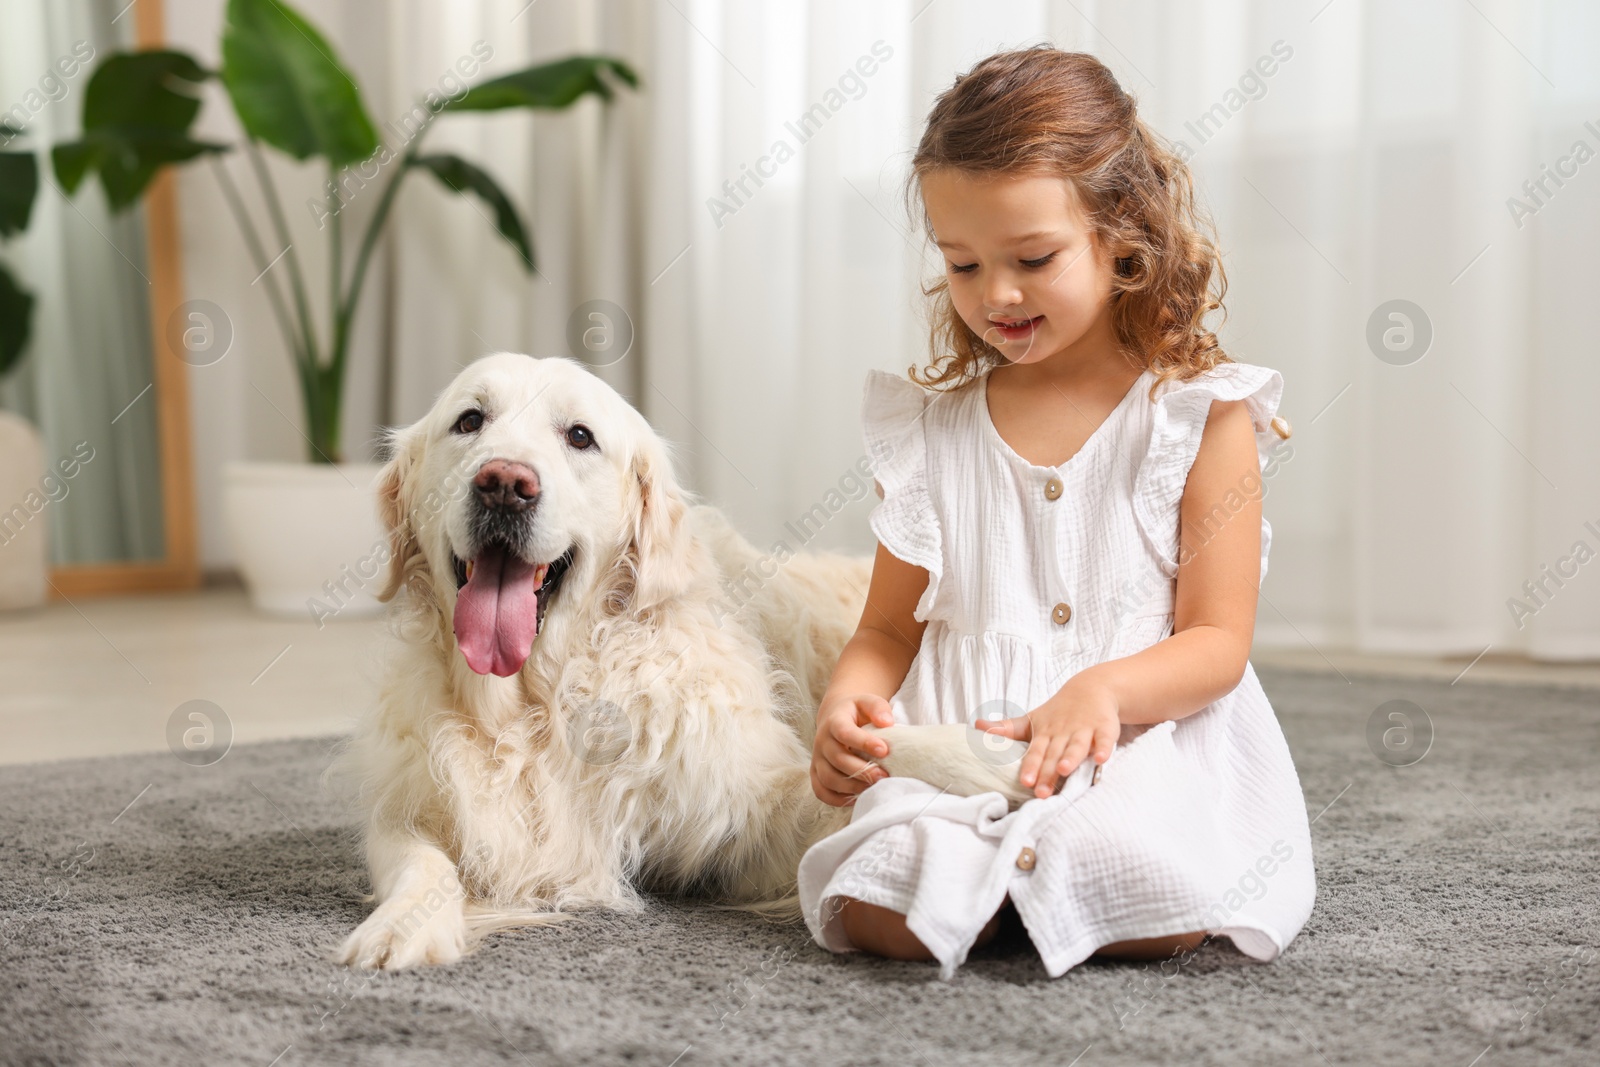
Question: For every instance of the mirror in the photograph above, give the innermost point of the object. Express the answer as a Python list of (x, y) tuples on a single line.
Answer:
[(101, 381)]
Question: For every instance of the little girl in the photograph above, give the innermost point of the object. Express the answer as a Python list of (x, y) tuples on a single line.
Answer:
[(1070, 547)]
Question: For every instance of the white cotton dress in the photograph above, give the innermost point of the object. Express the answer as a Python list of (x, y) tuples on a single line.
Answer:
[(1036, 573)]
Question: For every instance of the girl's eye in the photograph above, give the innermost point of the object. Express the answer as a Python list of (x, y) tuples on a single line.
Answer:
[(1041, 261), (579, 437), (470, 421), (959, 268)]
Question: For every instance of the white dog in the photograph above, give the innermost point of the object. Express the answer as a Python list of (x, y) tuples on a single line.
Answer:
[(577, 712)]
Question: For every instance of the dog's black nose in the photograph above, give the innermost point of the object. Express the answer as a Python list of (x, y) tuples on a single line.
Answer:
[(502, 485)]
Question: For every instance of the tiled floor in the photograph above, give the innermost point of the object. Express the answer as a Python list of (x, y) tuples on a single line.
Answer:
[(99, 677)]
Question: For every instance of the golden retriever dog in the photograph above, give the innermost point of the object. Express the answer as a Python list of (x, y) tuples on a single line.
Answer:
[(598, 688)]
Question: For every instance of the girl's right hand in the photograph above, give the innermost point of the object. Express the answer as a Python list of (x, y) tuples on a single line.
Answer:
[(839, 759)]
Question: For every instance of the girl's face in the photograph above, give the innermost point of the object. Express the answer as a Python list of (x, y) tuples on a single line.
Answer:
[(1026, 273)]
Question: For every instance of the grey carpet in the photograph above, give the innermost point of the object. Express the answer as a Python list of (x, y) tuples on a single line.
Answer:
[(1456, 924)]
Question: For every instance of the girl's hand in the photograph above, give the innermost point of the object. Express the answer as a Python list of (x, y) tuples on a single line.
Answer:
[(1080, 720), (839, 757)]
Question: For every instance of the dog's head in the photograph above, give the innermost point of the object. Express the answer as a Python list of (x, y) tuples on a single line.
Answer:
[(530, 490)]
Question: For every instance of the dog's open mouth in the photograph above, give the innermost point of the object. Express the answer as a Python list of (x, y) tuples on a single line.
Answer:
[(501, 600)]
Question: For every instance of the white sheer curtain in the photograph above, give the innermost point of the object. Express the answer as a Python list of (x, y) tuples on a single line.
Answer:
[(1373, 164), (85, 379)]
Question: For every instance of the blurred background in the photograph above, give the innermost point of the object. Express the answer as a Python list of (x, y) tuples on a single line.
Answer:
[(704, 199)]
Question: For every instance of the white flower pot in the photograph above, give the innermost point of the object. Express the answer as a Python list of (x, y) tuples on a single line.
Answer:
[(307, 537), (24, 503)]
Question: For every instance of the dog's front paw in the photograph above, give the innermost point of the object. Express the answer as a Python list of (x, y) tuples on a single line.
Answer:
[(958, 759), (406, 932)]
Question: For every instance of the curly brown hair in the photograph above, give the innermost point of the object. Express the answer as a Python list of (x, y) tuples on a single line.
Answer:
[(1041, 110)]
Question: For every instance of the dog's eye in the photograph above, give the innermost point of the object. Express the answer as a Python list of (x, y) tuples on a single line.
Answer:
[(470, 421), (579, 437)]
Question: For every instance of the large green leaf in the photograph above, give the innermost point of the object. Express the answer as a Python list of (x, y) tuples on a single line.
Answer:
[(463, 177), (16, 318), (126, 158), (19, 184), (157, 88), (288, 88), (552, 85), (137, 112)]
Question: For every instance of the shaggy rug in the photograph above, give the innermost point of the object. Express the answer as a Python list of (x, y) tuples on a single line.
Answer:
[(157, 912)]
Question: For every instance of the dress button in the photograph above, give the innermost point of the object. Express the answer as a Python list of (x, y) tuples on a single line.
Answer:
[(1061, 613), (1052, 488), (1025, 859)]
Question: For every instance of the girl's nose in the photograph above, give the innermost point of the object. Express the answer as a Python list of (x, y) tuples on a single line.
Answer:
[(1002, 291)]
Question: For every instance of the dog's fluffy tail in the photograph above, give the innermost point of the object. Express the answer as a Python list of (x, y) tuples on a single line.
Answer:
[(785, 909), (484, 920)]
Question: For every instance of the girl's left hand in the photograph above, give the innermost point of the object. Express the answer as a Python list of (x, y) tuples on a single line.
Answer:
[(1080, 720)]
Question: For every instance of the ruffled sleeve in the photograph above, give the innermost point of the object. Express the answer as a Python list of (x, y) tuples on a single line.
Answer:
[(895, 433), (1178, 421)]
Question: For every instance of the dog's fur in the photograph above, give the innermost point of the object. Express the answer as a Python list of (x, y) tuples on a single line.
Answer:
[(658, 736)]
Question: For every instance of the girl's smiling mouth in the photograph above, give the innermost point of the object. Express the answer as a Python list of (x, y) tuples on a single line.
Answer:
[(1016, 329)]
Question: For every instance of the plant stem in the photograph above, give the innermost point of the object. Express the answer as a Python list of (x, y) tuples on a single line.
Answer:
[(335, 247), (323, 390), (269, 193), (369, 241), (252, 241), (308, 398), (333, 386)]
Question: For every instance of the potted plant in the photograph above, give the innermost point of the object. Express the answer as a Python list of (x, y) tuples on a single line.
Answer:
[(301, 531), (24, 557)]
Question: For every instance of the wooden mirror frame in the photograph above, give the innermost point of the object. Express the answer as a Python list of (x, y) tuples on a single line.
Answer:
[(180, 567)]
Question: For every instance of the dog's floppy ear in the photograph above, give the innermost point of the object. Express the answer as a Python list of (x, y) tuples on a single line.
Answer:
[(394, 508), (660, 552)]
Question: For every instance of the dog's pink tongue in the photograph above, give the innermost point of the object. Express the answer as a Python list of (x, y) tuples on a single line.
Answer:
[(497, 613)]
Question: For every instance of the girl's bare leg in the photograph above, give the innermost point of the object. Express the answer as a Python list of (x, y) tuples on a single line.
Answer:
[(882, 931)]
